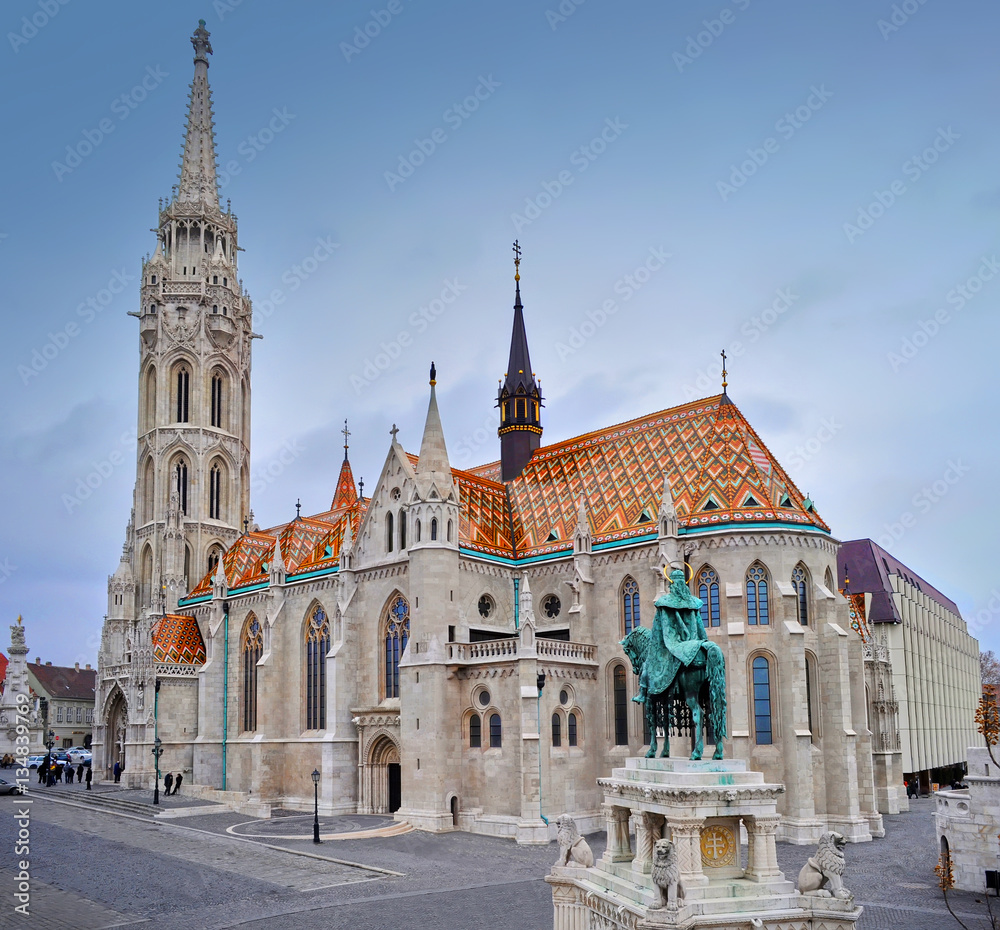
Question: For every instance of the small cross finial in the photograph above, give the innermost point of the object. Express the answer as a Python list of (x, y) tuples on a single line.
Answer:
[(393, 432), (298, 509), (246, 524), (361, 488), (517, 260), (724, 382), (347, 435)]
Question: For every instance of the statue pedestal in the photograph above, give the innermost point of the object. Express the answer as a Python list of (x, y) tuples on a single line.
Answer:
[(703, 808)]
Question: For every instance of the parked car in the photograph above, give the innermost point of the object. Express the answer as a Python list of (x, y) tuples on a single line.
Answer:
[(7, 787), (35, 761), (79, 755)]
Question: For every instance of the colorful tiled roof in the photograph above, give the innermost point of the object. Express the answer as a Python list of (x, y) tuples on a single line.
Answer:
[(177, 640)]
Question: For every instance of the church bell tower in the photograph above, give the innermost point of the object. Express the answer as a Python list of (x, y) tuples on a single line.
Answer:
[(520, 396)]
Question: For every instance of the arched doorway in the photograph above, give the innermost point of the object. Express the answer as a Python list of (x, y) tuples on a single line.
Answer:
[(381, 788), (115, 728)]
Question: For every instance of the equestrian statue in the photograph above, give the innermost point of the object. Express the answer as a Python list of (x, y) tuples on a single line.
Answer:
[(677, 660)]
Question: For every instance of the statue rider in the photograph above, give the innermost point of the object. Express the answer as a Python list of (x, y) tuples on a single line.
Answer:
[(678, 621)]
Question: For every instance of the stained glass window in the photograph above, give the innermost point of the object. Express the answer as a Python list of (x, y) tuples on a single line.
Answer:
[(762, 701), (621, 706), (397, 632), (801, 593), (253, 648), (630, 605), (757, 612), (708, 591), (317, 646)]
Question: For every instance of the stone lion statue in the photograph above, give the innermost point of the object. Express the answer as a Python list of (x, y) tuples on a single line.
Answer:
[(822, 875), (666, 874), (574, 851)]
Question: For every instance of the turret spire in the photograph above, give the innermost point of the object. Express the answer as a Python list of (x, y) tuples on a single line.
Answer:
[(519, 397), (433, 466), (197, 179)]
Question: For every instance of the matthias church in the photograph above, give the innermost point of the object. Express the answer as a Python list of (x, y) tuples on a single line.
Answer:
[(446, 647)]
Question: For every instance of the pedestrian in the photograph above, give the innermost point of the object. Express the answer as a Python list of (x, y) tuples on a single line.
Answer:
[(177, 782), (90, 777), (42, 769), (117, 771), (79, 773), (168, 781)]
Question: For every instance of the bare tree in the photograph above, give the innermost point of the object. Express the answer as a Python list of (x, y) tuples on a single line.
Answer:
[(989, 668)]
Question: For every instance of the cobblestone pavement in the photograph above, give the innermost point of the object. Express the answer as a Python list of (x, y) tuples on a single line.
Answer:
[(92, 870)]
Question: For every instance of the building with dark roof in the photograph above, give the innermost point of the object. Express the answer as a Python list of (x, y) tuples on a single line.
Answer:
[(922, 673)]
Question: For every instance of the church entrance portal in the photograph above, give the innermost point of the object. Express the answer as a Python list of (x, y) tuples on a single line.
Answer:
[(114, 740), (381, 781)]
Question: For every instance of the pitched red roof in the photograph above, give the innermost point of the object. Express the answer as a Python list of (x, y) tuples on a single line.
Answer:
[(64, 683)]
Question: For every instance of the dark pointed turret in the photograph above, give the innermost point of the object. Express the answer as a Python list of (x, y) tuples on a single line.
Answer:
[(519, 397)]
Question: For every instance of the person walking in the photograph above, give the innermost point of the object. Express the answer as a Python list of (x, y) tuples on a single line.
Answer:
[(177, 782), (90, 777), (117, 771), (168, 781), (79, 773)]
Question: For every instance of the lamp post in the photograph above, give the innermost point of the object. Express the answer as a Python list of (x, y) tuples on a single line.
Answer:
[(315, 778), (50, 743), (157, 744)]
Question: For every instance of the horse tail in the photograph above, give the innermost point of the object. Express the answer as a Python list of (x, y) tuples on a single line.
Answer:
[(716, 662)]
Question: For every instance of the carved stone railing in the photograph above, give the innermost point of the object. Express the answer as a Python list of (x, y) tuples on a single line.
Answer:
[(490, 650), (560, 649), (177, 671), (184, 288)]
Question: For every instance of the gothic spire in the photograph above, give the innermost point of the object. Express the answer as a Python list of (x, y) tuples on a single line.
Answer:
[(519, 397), (197, 178), (433, 466)]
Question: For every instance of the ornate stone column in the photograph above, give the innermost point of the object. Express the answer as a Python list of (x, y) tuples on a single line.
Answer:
[(619, 848), (762, 859), (568, 912), (648, 829), (685, 834)]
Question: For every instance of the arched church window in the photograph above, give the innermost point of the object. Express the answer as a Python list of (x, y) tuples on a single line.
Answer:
[(402, 530), (214, 554), (146, 577), (180, 483), (475, 732), (757, 607), (183, 393), (621, 705), (449, 530), (630, 605), (418, 530), (397, 632), (708, 592), (571, 727), (148, 491), (215, 492), (434, 528), (388, 532), (218, 388), (317, 646), (252, 649), (763, 734), (799, 583), (150, 418), (496, 733), (828, 579), (556, 730)]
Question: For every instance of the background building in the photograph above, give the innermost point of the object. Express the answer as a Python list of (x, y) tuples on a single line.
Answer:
[(922, 668), (69, 695)]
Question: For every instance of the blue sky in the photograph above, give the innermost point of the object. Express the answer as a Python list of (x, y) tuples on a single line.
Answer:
[(822, 176)]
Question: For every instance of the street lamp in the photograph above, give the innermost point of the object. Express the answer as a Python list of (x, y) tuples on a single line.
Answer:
[(49, 744), (157, 751), (315, 778)]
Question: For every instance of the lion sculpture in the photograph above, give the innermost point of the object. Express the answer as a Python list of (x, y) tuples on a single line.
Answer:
[(666, 875), (574, 851), (822, 875)]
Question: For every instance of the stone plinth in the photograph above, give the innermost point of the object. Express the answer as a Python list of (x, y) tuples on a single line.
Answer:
[(702, 807)]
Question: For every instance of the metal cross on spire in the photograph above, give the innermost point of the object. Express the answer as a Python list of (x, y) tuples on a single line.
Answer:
[(724, 382), (347, 435), (361, 489), (298, 509), (517, 260)]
